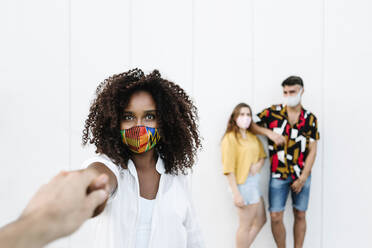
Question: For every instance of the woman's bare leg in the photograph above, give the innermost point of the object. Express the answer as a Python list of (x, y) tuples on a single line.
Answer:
[(247, 215), (258, 222)]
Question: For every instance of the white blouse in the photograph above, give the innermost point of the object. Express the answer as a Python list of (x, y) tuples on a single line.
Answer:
[(174, 223)]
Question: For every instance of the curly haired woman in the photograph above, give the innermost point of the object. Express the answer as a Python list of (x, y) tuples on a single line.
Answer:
[(145, 132), (242, 158)]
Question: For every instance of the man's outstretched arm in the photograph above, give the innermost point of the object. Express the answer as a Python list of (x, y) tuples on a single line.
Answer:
[(56, 210)]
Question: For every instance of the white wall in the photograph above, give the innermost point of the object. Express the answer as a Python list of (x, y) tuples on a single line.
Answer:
[(53, 54)]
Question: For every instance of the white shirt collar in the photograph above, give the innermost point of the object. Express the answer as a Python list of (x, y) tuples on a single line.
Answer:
[(159, 167)]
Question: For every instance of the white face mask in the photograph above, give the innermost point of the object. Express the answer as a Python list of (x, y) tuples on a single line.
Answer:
[(243, 121), (292, 101)]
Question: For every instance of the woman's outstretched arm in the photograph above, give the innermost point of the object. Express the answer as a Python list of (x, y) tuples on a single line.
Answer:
[(56, 210)]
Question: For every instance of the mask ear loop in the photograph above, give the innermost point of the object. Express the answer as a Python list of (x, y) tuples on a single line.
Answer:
[(123, 139), (301, 91), (299, 96)]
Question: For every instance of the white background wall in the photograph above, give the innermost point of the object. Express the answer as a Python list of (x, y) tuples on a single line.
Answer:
[(53, 54)]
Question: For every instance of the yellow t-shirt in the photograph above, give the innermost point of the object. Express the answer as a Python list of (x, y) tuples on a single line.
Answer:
[(238, 156)]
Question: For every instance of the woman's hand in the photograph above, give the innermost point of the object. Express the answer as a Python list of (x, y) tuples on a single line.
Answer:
[(238, 200), (97, 184), (255, 168), (110, 187)]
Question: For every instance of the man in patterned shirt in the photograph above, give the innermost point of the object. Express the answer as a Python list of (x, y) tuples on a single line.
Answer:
[(293, 135)]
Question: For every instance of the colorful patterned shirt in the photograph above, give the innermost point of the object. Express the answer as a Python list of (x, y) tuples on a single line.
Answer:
[(289, 160)]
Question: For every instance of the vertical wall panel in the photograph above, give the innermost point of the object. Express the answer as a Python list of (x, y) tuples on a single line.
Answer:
[(100, 38), (223, 78), (33, 96), (162, 39), (100, 47), (347, 196)]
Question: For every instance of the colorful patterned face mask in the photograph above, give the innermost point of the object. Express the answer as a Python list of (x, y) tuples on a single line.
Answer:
[(140, 139)]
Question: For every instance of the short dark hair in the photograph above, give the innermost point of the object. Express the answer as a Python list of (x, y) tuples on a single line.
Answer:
[(293, 80)]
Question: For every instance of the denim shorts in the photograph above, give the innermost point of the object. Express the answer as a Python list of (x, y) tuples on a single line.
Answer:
[(278, 194), (250, 189)]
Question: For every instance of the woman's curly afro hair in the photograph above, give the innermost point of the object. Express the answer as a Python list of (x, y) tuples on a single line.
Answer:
[(176, 115)]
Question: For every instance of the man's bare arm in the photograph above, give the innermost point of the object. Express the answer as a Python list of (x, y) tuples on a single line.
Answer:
[(310, 159), (276, 138)]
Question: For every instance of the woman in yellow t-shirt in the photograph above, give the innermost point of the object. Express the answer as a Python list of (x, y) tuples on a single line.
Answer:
[(242, 158)]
